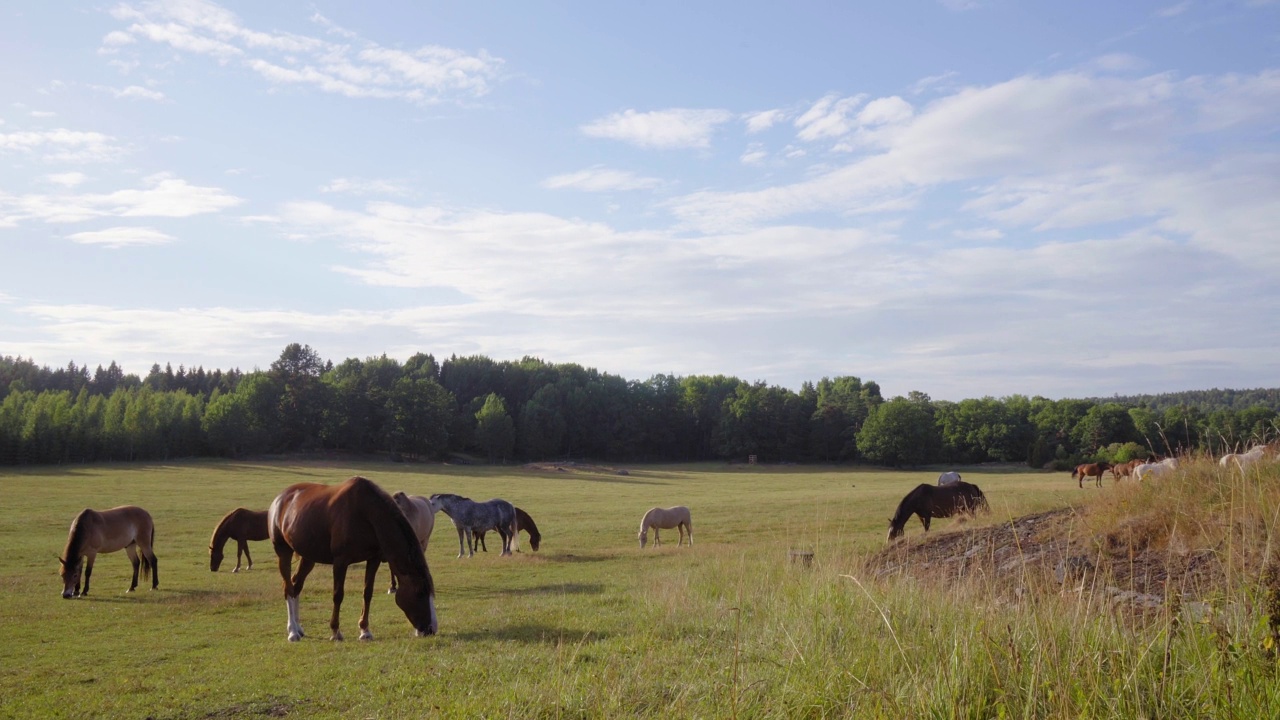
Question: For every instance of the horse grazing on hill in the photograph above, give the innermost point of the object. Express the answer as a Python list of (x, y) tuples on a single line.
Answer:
[(665, 519), (241, 525), (949, 478), (523, 522), (422, 518), (470, 517), (127, 528), (931, 501), (339, 525), (1157, 469), (1093, 470)]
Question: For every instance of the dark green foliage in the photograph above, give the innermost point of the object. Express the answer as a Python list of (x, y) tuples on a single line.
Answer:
[(425, 409)]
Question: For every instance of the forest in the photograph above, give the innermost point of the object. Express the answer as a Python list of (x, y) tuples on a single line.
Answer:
[(476, 409)]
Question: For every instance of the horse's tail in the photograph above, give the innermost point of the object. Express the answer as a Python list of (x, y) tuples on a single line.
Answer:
[(147, 556)]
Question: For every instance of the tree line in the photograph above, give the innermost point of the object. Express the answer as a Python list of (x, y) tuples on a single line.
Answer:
[(475, 407)]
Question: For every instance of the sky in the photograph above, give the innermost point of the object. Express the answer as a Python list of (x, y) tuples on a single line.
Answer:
[(965, 198)]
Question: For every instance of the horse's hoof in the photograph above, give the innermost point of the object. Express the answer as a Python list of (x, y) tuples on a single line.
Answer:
[(366, 635), (235, 570), (337, 636), (295, 637), (126, 592)]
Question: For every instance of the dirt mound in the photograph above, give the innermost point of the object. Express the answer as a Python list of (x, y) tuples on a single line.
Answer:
[(575, 467), (1051, 551)]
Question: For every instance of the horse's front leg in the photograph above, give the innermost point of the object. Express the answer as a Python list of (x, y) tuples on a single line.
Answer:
[(925, 520), (132, 552), (339, 583), (284, 557), (88, 570), (657, 540), (370, 576), (462, 541), (242, 549)]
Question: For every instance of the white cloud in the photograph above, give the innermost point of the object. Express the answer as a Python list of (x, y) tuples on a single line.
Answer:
[(118, 237), (43, 114), (758, 122), (754, 154), (675, 128), (979, 234), (1174, 10), (362, 186), (162, 196), (1045, 133), (138, 92), (600, 179), (354, 68), (830, 117), (68, 179), (885, 111), (62, 145)]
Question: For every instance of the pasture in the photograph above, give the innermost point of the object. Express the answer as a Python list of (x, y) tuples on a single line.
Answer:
[(590, 626)]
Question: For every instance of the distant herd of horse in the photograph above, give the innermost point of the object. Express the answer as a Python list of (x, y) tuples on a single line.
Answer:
[(357, 521), (337, 525)]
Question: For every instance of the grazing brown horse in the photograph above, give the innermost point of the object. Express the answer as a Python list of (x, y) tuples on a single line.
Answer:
[(241, 525), (338, 525), (422, 518), (1093, 470), (523, 522), (931, 501), (127, 528)]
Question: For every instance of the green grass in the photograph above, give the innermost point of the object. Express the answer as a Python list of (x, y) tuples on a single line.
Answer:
[(590, 626)]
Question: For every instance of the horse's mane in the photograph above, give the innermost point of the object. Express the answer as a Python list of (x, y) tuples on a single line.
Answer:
[(220, 533), (75, 539), (907, 506), (394, 527), (525, 522)]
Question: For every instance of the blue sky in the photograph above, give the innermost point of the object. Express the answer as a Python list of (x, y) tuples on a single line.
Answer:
[(961, 197)]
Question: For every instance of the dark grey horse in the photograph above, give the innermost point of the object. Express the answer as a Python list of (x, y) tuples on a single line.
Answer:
[(470, 517)]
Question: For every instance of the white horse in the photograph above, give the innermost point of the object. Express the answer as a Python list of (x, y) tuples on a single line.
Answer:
[(1243, 460), (674, 517), (1156, 469), (949, 478), (422, 518)]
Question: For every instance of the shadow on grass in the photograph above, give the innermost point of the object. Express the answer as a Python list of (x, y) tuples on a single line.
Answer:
[(554, 589), (535, 634)]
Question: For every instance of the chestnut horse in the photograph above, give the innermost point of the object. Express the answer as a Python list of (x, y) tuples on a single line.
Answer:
[(241, 525), (1093, 470), (422, 518), (127, 528), (523, 522), (339, 525), (665, 518), (931, 501)]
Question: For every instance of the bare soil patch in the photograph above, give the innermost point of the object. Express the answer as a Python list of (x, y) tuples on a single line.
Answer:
[(1051, 551)]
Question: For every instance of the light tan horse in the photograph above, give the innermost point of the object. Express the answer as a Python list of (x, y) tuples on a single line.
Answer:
[(666, 518), (127, 528), (418, 511)]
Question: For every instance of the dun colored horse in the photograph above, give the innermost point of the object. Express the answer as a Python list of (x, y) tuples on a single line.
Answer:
[(339, 525), (665, 519), (931, 501), (523, 522), (422, 518), (127, 528), (241, 525), (470, 517), (1093, 470)]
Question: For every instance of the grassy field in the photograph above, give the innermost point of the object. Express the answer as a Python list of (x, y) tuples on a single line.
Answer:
[(590, 626)]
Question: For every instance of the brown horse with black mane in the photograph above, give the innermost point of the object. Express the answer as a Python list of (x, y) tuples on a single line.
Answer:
[(1093, 470), (127, 528), (241, 525), (338, 525), (931, 501)]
